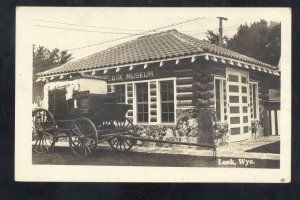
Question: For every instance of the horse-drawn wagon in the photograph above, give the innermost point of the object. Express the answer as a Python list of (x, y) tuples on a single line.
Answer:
[(82, 111), (85, 117)]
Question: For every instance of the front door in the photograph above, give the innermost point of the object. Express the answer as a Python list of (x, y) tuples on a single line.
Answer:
[(238, 104)]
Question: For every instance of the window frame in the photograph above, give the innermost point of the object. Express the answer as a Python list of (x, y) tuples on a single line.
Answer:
[(135, 111), (257, 100), (222, 79), (159, 102), (112, 85), (125, 91)]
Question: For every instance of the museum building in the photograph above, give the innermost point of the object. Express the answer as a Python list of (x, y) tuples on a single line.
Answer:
[(168, 76)]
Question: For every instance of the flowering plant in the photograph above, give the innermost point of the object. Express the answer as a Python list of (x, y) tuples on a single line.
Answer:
[(220, 133)]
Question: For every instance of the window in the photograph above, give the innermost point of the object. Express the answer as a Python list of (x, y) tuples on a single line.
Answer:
[(219, 99), (254, 102), (244, 79), (120, 93), (234, 109), (167, 101), (142, 102), (233, 88), (244, 89), (233, 78), (57, 102)]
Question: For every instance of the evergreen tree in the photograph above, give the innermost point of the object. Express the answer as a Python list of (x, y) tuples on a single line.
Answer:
[(260, 40)]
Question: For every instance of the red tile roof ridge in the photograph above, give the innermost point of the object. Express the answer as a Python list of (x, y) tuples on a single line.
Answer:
[(146, 36), (183, 38), (169, 43)]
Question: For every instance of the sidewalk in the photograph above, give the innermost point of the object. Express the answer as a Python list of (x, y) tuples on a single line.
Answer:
[(232, 150)]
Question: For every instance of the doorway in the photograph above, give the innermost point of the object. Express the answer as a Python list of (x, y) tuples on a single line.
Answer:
[(238, 104)]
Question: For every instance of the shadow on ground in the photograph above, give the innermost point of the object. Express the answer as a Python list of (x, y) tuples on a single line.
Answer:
[(108, 157), (268, 148)]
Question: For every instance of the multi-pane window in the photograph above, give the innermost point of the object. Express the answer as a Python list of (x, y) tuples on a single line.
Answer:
[(142, 102), (120, 93), (219, 99), (167, 101)]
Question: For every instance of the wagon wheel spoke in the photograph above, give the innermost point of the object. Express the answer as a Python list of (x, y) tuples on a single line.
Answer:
[(45, 142), (88, 150), (39, 145), (77, 129), (36, 125), (35, 145), (75, 143), (43, 130), (47, 133), (83, 137), (35, 137), (48, 125), (120, 143), (115, 141), (125, 141), (77, 134)]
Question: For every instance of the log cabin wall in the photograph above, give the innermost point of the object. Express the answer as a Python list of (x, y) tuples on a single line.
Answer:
[(194, 87), (184, 127)]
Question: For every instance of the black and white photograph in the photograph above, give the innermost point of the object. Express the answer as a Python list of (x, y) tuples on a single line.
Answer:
[(153, 94)]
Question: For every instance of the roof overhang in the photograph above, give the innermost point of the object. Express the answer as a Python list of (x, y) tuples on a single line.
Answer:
[(161, 63)]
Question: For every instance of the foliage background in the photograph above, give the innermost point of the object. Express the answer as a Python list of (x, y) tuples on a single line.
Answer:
[(260, 40), (45, 59)]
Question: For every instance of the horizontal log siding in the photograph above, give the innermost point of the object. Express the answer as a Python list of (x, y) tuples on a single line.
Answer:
[(184, 88), (184, 81), (129, 100), (153, 101), (184, 96), (184, 103)]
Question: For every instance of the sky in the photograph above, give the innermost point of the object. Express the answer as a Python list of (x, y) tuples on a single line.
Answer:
[(74, 28)]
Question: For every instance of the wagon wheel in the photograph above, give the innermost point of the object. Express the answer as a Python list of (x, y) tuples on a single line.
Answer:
[(83, 137), (43, 131), (127, 127)]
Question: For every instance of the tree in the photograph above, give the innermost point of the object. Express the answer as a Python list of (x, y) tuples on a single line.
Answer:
[(213, 38), (45, 59), (260, 40)]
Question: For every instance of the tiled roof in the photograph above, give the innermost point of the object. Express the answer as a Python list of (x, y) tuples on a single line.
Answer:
[(152, 47)]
